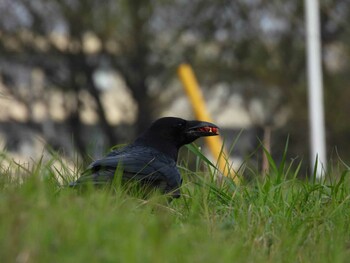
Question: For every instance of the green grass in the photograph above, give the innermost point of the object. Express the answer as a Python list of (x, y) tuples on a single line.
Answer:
[(277, 218)]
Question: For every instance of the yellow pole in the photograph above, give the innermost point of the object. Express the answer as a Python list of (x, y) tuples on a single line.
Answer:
[(195, 96)]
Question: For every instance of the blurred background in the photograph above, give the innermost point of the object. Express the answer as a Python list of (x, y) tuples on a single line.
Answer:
[(82, 75)]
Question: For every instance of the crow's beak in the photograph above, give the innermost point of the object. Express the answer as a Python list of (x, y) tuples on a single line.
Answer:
[(201, 129)]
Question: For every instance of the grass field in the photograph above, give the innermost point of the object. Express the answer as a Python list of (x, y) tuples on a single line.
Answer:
[(277, 218)]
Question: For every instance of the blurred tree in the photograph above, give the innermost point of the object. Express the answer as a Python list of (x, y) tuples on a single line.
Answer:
[(256, 47), (53, 36)]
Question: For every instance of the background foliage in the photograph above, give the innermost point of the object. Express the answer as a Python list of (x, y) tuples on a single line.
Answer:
[(256, 48)]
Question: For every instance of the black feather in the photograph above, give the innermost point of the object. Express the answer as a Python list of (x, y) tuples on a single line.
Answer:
[(151, 159)]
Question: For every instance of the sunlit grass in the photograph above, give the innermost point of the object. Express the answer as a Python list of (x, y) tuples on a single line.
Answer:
[(272, 218)]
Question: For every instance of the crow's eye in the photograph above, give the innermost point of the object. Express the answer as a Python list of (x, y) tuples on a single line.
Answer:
[(180, 125)]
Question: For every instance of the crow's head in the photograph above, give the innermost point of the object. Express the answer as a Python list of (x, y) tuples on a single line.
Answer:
[(169, 134)]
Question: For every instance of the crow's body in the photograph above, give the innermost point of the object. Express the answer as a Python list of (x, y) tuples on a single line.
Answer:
[(151, 159), (137, 162)]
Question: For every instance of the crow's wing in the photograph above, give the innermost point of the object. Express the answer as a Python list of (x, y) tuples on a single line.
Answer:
[(140, 163)]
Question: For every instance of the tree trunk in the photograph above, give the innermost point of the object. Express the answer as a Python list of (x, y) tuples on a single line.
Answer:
[(111, 138)]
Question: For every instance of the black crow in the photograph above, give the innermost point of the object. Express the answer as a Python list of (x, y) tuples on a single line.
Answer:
[(151, 158)]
